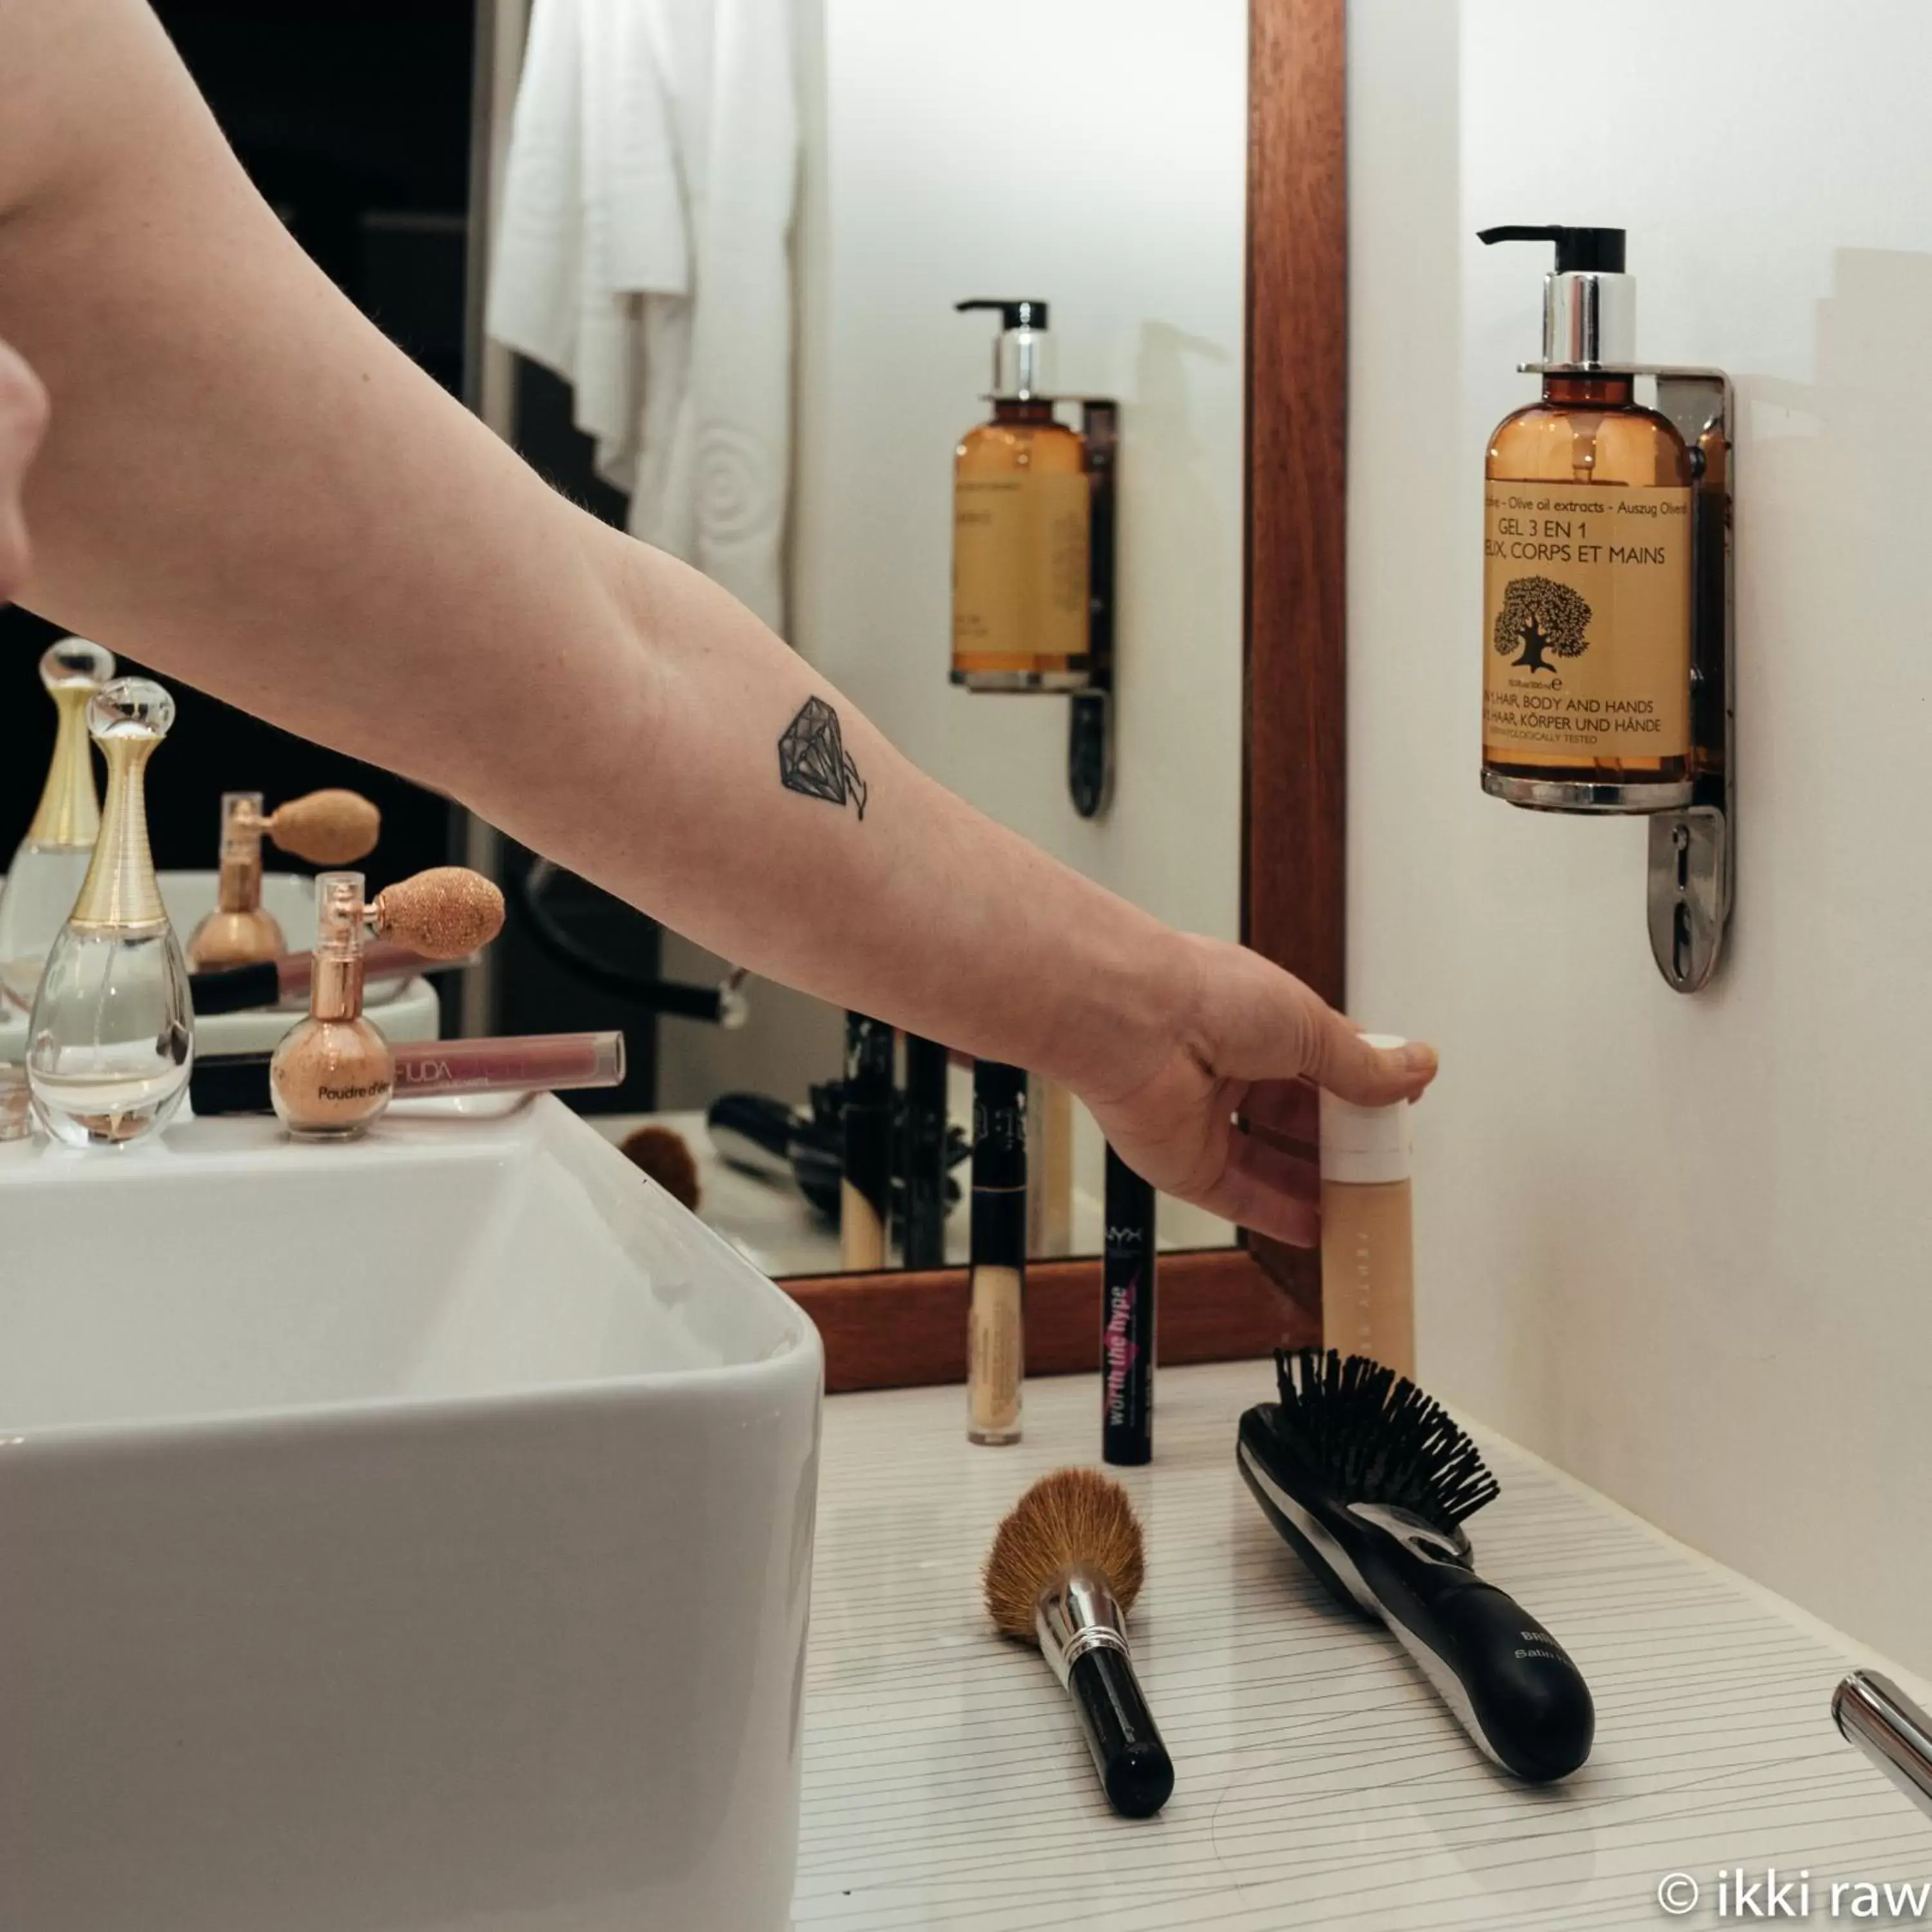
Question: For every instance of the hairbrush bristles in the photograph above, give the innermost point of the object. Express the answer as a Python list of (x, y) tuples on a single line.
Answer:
[(443, 913), (1372, 1436), (331, 828), (1073, 1519)]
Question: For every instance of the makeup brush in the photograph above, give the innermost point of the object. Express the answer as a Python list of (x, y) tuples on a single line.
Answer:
[(269, 982), (665, 1155), (1063, 1574), (443, 913), (330, 827)]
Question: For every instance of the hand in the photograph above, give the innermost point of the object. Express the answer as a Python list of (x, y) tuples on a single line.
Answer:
[(23, 419), (1254, 1043)]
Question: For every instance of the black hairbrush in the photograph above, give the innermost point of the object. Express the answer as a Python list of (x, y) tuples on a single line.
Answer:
[(1369, 1481)]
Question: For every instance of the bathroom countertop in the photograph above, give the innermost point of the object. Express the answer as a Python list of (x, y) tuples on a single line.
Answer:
[(1320, 1782)]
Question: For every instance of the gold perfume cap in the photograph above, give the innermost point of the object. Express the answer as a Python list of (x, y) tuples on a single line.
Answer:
[(72, 670), (127, 718)]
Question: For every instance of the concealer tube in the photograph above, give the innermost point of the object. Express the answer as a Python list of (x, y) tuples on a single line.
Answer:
[(865, 1189), (996, 1329), (1368, 1255)]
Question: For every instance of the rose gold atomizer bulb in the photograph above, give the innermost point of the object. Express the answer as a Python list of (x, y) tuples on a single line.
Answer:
[(333, 1073)]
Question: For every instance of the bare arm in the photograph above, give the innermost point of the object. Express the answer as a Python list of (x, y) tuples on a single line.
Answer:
[(245, 484)]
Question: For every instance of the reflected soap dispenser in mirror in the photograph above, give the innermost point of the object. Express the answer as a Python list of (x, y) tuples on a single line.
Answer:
[(44, 879), (1020, 526), (112, 1037), (1033, 547), (1587, 561)]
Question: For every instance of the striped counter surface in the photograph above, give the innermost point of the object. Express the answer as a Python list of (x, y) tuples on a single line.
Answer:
[(1319, 1783)]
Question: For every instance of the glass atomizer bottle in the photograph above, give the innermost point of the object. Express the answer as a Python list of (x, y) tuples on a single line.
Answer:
[(1586, 603), (48, 865), (332, 1074), (1022, 516), (112, 1038)]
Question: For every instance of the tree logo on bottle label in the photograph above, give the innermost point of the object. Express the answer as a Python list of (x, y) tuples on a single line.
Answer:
[(1541, 616)]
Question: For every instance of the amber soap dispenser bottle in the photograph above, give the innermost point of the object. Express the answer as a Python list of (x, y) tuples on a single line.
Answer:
[(1586, 576), (1022, 518)]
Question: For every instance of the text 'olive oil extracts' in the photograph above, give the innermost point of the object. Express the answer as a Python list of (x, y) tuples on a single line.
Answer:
[(1586, 575)]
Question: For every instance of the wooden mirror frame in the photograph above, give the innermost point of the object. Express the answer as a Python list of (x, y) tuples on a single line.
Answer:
[(898, 1329)]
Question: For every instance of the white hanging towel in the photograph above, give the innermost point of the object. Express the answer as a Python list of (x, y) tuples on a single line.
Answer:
[(642, 253)]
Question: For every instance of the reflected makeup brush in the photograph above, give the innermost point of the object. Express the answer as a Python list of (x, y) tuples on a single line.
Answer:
[(285, 981), (865, 1190), (328, 828), (1063, 1574)]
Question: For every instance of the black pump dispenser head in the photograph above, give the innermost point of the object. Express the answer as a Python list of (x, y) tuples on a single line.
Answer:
[(1019, 354), (1589, 304), (1579, 251)]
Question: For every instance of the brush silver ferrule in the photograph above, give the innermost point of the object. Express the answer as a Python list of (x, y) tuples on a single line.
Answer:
[(1077, 1613), (1872, 1713)]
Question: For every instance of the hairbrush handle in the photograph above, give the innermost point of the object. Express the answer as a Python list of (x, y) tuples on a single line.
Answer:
[(1511, 1683), (1135, 1771)]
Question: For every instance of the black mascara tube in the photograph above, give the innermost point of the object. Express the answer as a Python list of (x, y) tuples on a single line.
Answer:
[(865, 1190), (1127, 1318), (923, 1146)]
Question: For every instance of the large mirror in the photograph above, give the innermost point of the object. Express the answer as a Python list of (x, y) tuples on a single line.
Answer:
[(928, 173)]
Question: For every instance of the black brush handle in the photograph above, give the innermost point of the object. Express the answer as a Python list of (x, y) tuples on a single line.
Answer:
[(1135, 1771), (1520, 1697), (234, 989)]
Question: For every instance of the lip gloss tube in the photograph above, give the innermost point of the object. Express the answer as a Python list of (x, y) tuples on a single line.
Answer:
[(1127, 1318), (996, 1328), (275, 983), (237, 1083)]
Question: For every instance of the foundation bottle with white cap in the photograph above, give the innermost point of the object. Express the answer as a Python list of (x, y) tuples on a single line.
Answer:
[(1368, 1254)]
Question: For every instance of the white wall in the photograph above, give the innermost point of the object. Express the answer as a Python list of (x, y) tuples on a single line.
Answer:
[(1683, 1246), (1093, 153)]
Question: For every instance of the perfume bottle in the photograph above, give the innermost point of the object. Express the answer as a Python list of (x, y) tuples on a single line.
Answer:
[(240, 929), (1022, 536), (1586, 609), (44, 879), (332, 1074), (112, 1037), (327, 828)]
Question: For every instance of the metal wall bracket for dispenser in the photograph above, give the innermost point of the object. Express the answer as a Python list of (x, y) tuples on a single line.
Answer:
[(1694, 848), (1089, 723)]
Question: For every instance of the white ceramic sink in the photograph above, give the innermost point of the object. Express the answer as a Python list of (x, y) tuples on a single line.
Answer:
[(412, 1534)]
